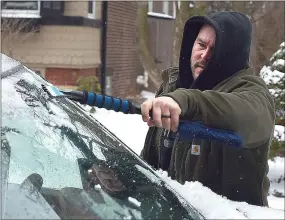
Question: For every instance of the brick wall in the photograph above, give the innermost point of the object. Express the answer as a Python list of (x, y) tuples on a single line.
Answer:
[(122, 56), (60, 46), (67, 77)]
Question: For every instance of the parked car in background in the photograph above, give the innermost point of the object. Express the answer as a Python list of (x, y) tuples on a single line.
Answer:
[(57, 162)]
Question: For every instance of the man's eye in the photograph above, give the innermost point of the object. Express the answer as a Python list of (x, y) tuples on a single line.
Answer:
[(200, 44)]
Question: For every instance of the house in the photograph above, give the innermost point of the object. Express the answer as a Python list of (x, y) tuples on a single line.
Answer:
[(66, 43), (122, 55), (123, 61), (63, 40)]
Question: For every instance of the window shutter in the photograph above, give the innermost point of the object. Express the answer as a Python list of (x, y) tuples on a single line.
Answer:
[(52, 8)]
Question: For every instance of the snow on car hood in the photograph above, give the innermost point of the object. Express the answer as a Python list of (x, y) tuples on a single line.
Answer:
[(214, 206)]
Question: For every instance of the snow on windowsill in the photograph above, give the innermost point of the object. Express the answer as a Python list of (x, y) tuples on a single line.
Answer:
[(20, 15), (160, 15)]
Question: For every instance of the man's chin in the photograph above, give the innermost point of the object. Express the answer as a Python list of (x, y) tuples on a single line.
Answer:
[(195, 76), (197, 73)]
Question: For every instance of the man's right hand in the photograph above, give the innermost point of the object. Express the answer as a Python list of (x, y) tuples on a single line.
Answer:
[(161, 106)]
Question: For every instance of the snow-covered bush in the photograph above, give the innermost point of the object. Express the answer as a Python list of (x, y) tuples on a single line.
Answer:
[(274, 76)]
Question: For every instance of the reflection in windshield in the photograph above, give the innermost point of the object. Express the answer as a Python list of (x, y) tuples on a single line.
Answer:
[(62, 164)]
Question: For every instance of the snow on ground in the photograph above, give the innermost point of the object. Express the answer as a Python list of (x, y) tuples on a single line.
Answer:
[(279, 132), (128, 128), (213, 205)]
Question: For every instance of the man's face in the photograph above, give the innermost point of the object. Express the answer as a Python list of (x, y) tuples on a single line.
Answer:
[(202, 49)]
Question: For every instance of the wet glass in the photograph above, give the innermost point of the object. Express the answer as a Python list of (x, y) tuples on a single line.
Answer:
[(60, 163)]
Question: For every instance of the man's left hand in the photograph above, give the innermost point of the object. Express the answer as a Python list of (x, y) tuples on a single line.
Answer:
[(161, 106)]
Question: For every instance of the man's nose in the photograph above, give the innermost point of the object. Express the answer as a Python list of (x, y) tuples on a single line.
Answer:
[(206, 55)]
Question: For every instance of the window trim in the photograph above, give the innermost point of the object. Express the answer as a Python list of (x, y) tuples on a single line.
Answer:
[(165, 6), (18, 13), (150, 6), (174, 8), (93, 14)]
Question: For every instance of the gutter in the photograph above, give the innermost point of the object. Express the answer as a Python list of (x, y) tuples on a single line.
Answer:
[(104, 20)]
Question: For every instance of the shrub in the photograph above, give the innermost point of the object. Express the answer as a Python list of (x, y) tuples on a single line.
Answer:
[(89, 84)]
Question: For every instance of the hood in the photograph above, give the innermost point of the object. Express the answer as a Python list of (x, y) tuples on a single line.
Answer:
[(231, 52)]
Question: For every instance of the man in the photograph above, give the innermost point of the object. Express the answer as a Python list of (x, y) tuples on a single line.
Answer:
[(214, 84)]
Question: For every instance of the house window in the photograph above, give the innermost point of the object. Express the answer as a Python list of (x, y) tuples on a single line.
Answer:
[(52, 8), (91, 9), (55, 5), (20, 9), (164, 8)]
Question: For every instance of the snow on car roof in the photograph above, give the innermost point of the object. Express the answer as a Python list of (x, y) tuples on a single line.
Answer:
[(8, 63)]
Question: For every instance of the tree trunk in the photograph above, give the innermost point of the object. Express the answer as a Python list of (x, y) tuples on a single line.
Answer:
[(146, 58), (182, 15)]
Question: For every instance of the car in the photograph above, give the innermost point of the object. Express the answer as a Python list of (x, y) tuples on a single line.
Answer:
[(59, 162)]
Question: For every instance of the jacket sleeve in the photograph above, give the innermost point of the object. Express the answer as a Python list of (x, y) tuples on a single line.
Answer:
[(249, 112)]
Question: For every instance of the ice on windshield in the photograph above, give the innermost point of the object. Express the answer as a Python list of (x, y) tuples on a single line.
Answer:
[(27, 158), (36, 148), (148, 174), (35, 206), (11, 99), (59, 116)]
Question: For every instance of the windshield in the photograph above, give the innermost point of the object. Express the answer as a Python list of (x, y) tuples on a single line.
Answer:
[(59, 163)]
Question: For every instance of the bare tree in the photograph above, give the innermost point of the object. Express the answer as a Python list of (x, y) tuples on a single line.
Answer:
[(267, 18), (147, 60), (268, 32), (15, 31)]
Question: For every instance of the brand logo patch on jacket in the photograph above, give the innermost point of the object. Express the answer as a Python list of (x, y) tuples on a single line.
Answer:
[(173, 78), (173, 74), (195, 149)]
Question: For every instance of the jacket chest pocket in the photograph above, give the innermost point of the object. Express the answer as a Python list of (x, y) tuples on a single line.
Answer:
[(203, 162), (189, 160)]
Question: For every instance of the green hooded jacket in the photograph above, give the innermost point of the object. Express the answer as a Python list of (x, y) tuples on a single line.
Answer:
[(226, 95)]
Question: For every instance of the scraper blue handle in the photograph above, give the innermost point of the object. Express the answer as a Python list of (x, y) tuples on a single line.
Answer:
[(186, 129)]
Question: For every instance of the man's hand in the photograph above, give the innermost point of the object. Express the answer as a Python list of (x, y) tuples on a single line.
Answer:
[(161, 106)]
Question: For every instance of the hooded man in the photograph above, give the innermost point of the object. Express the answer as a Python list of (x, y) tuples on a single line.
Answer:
[(214, 84)]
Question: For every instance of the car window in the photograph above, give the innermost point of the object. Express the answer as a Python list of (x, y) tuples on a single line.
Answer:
[(61, 163)]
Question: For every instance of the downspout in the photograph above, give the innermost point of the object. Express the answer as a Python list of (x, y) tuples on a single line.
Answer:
[(104, 18)]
